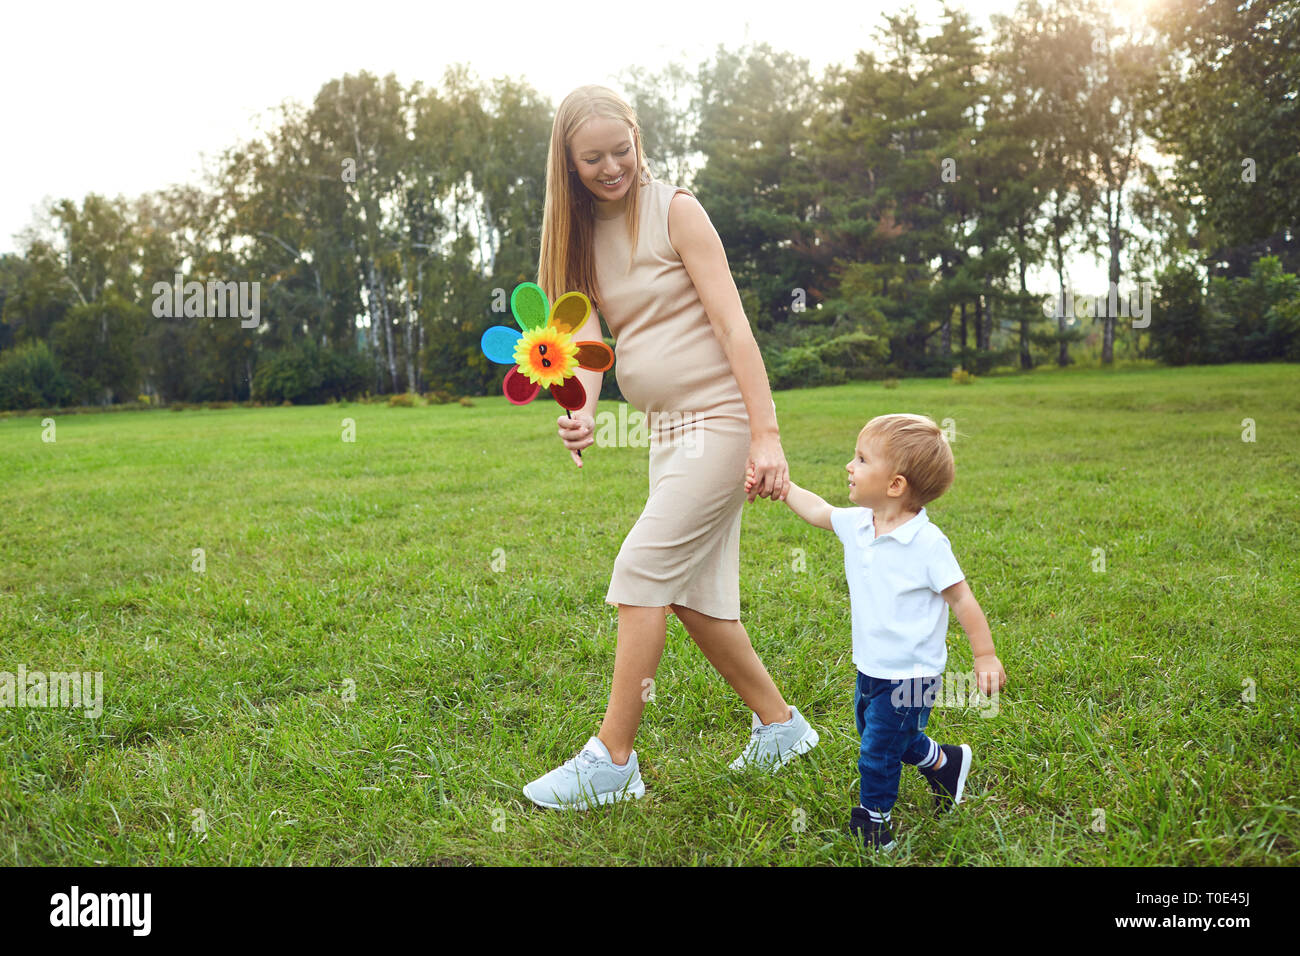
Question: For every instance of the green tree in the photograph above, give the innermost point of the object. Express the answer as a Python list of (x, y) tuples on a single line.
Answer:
[(94, 344), (30, 377), (1226, 109), (756, 107)]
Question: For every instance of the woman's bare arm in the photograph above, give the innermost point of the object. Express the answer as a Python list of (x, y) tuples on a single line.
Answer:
[(578, 432)]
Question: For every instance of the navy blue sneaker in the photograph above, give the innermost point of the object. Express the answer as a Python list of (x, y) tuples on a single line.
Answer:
[(949, 781), (875, 833)]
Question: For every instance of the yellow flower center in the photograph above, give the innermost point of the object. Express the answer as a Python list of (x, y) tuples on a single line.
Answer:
[(546, 355)]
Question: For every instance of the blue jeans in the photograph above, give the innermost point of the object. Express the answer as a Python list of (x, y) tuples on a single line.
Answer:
[(891, 716)]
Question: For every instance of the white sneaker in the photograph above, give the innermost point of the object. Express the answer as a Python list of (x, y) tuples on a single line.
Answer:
[(589, 779), (773, 745)]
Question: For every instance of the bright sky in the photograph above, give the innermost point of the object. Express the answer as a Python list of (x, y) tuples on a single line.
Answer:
[(124, 98)]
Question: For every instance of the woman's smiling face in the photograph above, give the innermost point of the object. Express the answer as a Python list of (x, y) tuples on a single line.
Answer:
[(603, 151)]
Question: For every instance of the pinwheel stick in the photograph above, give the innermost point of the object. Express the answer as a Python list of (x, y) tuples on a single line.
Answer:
[(570, 414)]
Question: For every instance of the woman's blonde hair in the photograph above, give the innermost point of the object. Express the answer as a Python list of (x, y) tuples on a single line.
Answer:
[(567, 261), (917, 449)]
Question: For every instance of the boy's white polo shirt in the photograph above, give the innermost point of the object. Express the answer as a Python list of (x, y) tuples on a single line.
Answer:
[(900, 620)]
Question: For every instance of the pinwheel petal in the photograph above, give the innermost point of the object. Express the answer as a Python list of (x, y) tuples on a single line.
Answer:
[(570, 394), (518, 389), (596, 356), (498, 344), (528, 303), (570, 311)]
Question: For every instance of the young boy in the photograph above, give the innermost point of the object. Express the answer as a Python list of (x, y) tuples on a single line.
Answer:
[(901, 570)]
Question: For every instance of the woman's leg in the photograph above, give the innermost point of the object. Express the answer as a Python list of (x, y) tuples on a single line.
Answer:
[(727, 646), (641, 635)]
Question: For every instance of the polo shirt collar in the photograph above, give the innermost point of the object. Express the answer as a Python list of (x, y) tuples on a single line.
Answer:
[(904, 533)]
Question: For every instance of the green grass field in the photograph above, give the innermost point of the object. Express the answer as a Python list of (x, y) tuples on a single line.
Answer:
[(349, 681)]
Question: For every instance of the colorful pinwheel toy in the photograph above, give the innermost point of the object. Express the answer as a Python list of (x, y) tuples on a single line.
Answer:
[(544, 354)]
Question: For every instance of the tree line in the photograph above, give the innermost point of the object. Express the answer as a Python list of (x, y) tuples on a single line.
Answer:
[(881, 219)]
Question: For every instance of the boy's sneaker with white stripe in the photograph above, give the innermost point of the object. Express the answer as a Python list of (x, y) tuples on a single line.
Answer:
[(773, 745), (589, 779), (872, 828), (949, 781)]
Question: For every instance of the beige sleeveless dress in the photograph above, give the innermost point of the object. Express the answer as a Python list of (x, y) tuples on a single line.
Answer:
[(685, 547)]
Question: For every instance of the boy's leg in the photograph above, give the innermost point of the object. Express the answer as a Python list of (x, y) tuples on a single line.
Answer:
[(922, 751), (944, 767), (890, 726)]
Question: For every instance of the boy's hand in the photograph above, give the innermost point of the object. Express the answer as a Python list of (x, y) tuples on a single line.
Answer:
[(988, 672), (749, 477)]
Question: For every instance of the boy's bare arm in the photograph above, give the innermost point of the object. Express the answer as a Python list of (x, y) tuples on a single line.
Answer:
[(988, 669), (802, 502)]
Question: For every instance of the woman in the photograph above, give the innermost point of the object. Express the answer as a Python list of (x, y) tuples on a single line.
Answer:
[(647, 256)]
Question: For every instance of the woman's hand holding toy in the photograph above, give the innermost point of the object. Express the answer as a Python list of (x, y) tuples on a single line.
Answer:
[(577, 433)]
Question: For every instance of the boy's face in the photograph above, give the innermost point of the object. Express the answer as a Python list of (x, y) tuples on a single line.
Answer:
[(870, 477)]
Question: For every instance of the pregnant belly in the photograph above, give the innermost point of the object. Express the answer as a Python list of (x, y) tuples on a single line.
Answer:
[(636, 382), (691, 376)]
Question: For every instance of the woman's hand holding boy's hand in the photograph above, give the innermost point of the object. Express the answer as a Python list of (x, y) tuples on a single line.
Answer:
[(771, 473), (988, 671), (790, 486)]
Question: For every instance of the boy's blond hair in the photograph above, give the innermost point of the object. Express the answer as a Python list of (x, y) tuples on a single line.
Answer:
[(917, 449)]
